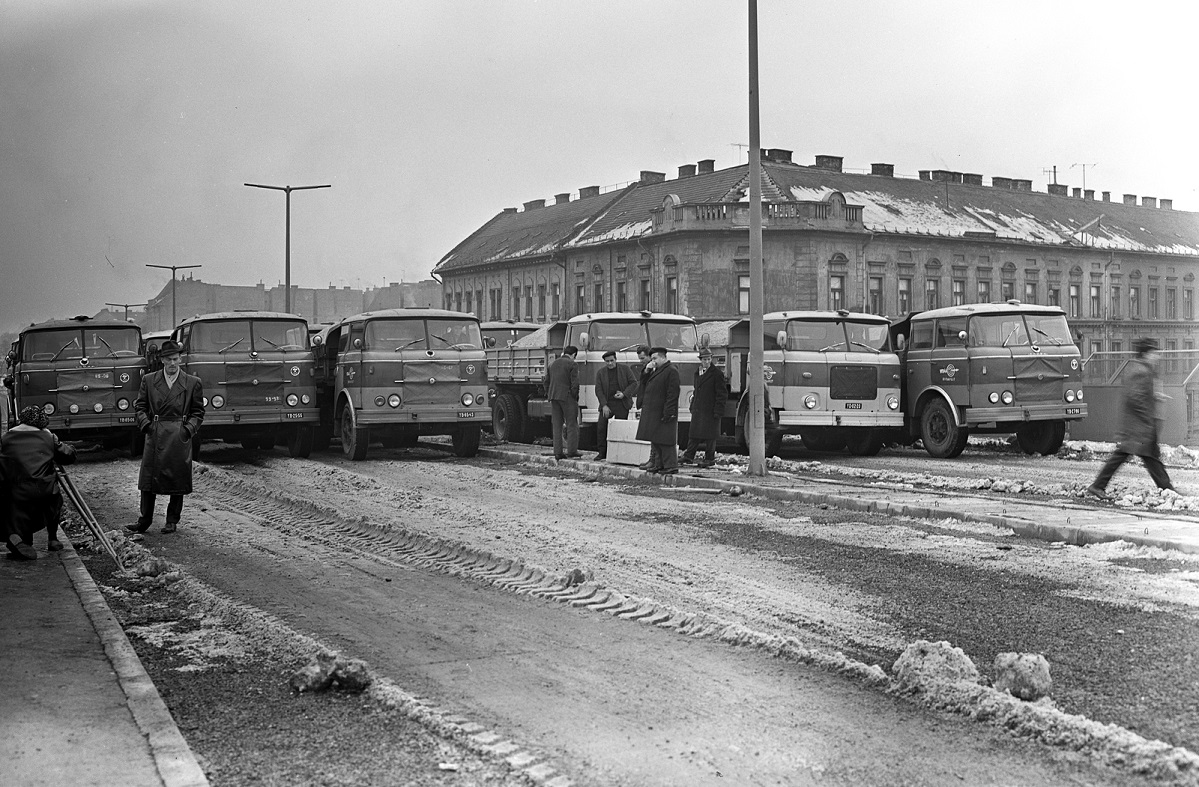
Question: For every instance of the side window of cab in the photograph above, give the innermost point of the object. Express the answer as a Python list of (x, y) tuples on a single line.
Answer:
[(949, 331), (922, 335)]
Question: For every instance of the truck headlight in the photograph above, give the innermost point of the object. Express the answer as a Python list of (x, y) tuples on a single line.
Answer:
[(99, 408), (994, 397), (380, 401), (305, 398), (48, 408), (394, 400), (74, 408), (1008, 398), (810, 402), (1080, 394), (123, 404), (893, 402), (467, 399), (292, 400), (1069, 396), (218, 401)]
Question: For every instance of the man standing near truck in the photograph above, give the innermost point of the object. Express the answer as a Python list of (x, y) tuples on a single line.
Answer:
[(659, 423), (615, 387), (562, 389)]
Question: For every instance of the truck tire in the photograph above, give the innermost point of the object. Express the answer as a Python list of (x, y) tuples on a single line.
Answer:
[(466, 441), (299, 442), (354, 439), (507, 420), (864, 441), (1041, 437), (942, 437)]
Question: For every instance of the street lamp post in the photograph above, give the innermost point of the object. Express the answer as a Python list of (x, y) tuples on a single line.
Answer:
[(172, 269), (756, 432), (287, 243), (126, 305)]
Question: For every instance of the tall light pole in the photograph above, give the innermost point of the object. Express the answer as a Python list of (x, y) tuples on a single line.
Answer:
[(287, 247), (127, 305), (757, 400), (172, 269)]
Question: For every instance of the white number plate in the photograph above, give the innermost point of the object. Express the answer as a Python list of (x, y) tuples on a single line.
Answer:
[(294, 416), (466, 414)]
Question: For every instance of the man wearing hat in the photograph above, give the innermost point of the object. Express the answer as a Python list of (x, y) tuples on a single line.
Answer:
[(615, 387), (659, 423), (29, 495), (707, 408), (1138, 427), (562, 389), (169, 410)]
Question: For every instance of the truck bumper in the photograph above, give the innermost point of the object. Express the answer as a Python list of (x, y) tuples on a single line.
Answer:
[(794, 418), (1034, 412)]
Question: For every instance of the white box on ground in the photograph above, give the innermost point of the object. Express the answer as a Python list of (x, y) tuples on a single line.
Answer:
[(623, 446)]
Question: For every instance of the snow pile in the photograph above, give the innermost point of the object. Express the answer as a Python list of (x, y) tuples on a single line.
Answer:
[(1023, 675), (923, 664), (328, 670)]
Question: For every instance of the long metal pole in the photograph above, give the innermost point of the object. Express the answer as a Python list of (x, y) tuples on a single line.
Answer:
[(756, 434), (172, 269), (287, 190)]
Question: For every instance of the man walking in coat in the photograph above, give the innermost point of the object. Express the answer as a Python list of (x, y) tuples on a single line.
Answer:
[(29, 495), (615, 387), (169, 410), (1138, 428), (660, 415), (707, 408), (562, 388)]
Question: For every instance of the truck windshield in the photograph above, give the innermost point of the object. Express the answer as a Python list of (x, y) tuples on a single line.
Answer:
[(1048, 329), (279, 335), (56, 345), (112, 342), (871, 336), (678, 336), (815, 335), (998, 330), (410, 334)]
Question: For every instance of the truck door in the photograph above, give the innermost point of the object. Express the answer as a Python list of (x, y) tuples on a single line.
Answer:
[(919, 360), (950, 367), (350, 362)]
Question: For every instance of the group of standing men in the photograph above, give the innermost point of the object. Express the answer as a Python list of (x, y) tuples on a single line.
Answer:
[(652, 386)]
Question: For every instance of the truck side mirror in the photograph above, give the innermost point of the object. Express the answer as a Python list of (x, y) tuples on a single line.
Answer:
[(962, 336), (780, 338), (317, 341), (358, 344), (489, 341), (584, 340)]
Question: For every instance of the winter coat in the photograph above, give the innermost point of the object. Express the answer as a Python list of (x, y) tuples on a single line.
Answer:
[(1138, 425), (625, 381), (562, 380), (171, 419), (707, 405), (660, 406), (29, 495)]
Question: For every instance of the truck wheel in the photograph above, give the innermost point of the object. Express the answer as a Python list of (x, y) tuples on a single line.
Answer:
[(1041, 437), (137, 444), (354, 439), (466, 441), (507, 421), (942, 437), (864, 442), (299, 442)]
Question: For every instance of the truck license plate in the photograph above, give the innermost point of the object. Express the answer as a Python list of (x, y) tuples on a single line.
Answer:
[(853, 405), (466, 414), (1073, 411), (125, 419), (294, 416)]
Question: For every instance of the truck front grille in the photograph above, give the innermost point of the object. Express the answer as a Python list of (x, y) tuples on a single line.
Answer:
[(853, 382)]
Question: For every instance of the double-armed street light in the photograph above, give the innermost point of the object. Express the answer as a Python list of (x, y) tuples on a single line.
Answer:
[(287, 248), (172, 269), (126, 306)]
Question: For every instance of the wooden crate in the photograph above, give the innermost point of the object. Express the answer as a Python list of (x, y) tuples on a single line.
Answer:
[(623, 446)]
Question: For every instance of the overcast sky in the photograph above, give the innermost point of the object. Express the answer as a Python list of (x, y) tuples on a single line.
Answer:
[(127, 128)]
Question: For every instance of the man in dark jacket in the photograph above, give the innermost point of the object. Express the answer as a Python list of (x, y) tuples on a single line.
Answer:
[(1138, 428), (562, 389), (615, 387), (169, 410), (29, 495), (642, 370), (660, 415), (707, 408)]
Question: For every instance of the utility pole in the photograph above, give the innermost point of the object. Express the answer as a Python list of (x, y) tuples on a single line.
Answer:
[(172, 269), (1084, 173), (756, 433), (287, 243), (127, 305)]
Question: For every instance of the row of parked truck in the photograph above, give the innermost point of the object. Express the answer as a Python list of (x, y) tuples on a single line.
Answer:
[(838, 380)]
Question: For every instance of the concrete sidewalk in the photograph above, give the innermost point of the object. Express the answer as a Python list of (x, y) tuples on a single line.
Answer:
[(76, 706)]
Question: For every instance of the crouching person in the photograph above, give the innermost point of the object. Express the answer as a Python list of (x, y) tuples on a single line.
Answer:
[(32, 500)]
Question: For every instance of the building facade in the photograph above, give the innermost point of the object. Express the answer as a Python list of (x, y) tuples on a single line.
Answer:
[(835, 239)]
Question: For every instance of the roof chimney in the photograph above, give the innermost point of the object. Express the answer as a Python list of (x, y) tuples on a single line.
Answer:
[(686, 171), (560, 198), (509, 210), (1107, 196), (782, 156), (1167, 204), (1001, 183), (945, 176), (1148, 202), (925, 174), (831, 163), (1077, 192), (885, 170), (588, 191), (1021, 185), (971, 179), (1060, 189), (707, 165), (1130, 199), (1088, 194), (534, 204), (649, 176)]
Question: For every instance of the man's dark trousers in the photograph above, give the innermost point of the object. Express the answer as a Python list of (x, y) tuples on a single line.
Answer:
[(174, 509)]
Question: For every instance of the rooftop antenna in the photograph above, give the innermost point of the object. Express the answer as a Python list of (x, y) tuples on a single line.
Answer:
[(1052, 171), (1084, 172), (740, 147)]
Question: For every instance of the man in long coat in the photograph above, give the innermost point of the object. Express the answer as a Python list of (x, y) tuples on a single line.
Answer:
[(169, 410), (1138, 427), (562, 389), (29, 496), (615, 387), (660, 414), (707, 408)]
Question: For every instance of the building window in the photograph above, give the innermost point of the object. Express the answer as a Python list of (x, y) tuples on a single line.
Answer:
[(1171, 303), (540, 301), (672, 294), (836, 292), (643, 301), (743, 293), (516, 303), (984, 291), (1096, 306), (622, 297), (457, 301), (599, 297), (1075, 310), (529, 302), (1115, 315), (1030, 292), (479, 304), (1188, 304), (959, 292), (555, 300), (1171, 354), (1007, 291), (468, 301), (580, 299), (905, 296), (1055, 296), (932, 294), (875, 294), (1134, 302), (449, 302), (1153, 303)]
